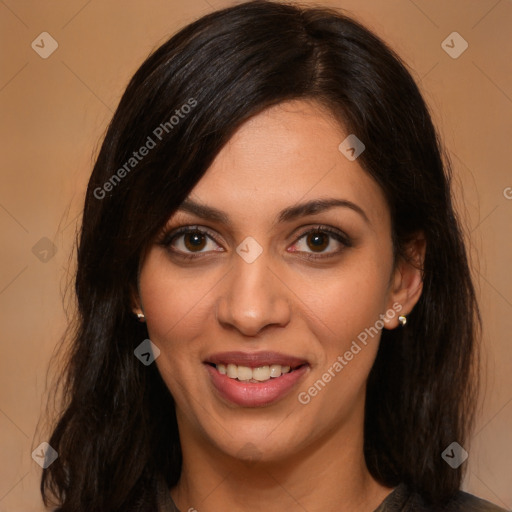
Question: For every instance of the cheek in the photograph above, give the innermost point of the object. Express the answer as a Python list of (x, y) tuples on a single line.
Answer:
[(173, 299), (344, 315), (346, 302), (175, 307)]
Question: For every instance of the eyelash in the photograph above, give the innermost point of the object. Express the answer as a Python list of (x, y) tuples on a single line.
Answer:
[(170, 236)]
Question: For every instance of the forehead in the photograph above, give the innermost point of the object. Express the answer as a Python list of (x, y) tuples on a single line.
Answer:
[(288, 153)]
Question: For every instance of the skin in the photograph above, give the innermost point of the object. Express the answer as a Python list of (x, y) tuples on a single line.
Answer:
[(287, 455)]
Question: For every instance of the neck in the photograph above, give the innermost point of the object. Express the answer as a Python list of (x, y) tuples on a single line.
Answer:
[(329, 474)]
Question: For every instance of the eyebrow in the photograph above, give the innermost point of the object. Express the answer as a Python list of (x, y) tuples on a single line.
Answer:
[(287, 215)]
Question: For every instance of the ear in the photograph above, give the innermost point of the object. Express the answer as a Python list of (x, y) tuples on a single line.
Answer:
[(406, 283)]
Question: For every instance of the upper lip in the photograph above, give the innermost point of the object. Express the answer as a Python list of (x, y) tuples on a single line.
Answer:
[(255, 359)]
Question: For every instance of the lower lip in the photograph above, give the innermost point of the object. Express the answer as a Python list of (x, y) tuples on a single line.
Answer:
[(255, 394)]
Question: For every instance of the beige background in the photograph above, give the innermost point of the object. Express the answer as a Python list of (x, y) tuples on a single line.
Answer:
[(55, 110)]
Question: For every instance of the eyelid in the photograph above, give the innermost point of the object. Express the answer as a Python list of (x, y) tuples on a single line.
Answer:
[(339, 236), (170, 234), (336, 232)]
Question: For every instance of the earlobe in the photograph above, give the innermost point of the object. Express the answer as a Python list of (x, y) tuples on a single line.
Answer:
[(137, 307), (139, 313), (407, 284)]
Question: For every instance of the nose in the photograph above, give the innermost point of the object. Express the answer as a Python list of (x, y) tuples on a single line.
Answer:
[(253, 298)]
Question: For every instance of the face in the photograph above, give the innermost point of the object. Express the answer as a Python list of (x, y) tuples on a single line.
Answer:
[(267, 292)]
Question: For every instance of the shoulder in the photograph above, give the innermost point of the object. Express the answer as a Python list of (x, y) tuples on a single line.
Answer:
[(402, 500), (461, 502), (465, 502)]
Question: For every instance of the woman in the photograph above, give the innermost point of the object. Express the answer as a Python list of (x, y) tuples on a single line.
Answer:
[(275, 309)]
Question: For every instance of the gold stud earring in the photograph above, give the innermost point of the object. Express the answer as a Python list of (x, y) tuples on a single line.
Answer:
[(402, 319)]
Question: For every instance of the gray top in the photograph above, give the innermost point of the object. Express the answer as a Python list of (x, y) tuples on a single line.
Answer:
[(401, 500)]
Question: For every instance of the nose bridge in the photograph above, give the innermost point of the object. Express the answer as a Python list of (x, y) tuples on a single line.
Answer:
[(253, 297), (251, 278)]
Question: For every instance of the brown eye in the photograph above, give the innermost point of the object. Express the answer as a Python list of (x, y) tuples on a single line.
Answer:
[(321, 242), (190, 242), (194, 241), (317, 241)]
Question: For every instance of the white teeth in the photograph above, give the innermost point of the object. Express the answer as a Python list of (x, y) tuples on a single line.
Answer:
[(232, 371), (260, 374), (275, 370), (244, 373)]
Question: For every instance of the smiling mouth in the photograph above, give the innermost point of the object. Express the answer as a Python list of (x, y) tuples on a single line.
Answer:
[(255, 375)]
